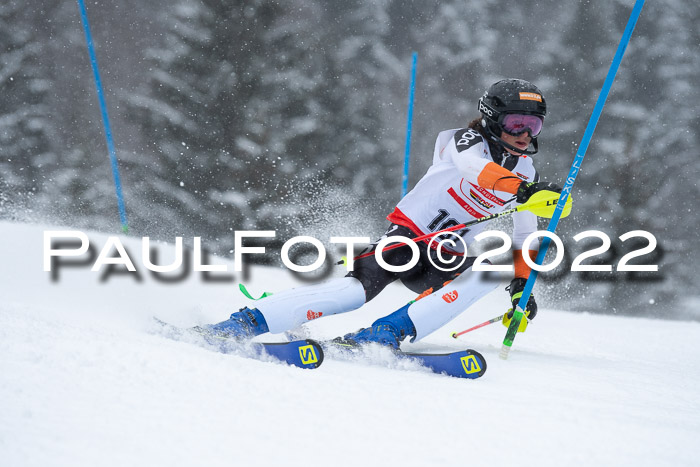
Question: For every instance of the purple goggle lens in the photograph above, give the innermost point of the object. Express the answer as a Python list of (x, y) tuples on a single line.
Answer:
[(516, 124)]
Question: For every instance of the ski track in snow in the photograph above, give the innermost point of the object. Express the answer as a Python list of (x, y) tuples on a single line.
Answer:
[(86, 381)]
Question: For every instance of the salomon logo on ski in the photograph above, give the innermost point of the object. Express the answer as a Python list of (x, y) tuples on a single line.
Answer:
[(308, 354), (470, 364)]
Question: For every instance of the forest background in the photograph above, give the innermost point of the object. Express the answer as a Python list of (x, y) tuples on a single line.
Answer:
[(291, 116)]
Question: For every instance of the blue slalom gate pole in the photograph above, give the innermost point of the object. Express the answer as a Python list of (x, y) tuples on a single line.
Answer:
[(407, 154), (571, 178), (105, 117)]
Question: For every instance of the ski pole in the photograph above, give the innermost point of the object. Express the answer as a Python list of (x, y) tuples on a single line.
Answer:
[(542, 204), (571, 178), (105, 117), (409, 123), (485, 323)]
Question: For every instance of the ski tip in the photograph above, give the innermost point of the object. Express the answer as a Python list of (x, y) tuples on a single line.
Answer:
[(454, 335), (315, 358), (468, 363), (474, 368)]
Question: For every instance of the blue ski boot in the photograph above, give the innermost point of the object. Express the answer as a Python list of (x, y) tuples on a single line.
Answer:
[(244, 324), (389, 330)]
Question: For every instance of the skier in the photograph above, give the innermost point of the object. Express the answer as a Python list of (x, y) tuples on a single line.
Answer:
[(477, 171)]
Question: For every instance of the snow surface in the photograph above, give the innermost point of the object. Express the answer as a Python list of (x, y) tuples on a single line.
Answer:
[(84, 381)]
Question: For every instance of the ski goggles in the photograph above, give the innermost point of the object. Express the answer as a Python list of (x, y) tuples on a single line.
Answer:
[(516, 124)]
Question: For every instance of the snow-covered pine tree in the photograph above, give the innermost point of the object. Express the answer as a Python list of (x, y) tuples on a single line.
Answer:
[(25, 126)]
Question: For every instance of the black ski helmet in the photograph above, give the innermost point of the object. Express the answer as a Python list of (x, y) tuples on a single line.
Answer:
[(510, 96)]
